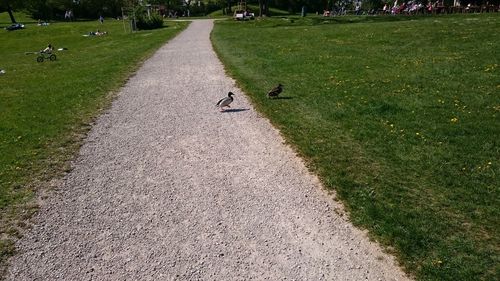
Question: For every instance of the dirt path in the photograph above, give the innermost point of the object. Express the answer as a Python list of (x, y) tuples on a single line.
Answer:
[(168, 188)]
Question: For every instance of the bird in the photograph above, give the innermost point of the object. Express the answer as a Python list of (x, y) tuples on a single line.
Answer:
[(275, 91), (225, 101)]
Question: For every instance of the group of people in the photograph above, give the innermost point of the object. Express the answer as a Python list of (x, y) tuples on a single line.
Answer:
[(415, 7), (42, 23), (410, 7), (97, 33), (68, 15)]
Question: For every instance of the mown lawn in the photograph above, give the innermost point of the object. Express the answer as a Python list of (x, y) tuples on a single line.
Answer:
[(401, 116), (46, 108)]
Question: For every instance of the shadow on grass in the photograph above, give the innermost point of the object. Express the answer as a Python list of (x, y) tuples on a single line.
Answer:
[(294, 20), (281, 98)]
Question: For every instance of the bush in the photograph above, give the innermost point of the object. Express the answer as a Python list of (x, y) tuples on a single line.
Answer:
[(152, 22), (145, 21)]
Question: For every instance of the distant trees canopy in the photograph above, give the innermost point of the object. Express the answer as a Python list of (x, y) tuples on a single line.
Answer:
[(54, 9), (92, 9)]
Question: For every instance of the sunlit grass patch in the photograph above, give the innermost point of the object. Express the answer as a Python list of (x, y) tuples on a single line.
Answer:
[(399, 115)]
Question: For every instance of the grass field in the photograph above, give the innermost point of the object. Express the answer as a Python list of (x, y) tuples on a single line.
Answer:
[(45, 108), (401, 116)]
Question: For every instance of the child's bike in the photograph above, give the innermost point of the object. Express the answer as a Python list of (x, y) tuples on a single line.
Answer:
[(45, 56), (42, 56)]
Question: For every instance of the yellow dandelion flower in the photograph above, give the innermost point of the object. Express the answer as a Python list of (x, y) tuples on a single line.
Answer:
[(454, 120)]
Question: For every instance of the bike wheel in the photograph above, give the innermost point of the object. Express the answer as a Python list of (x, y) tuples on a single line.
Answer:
[(39, 59), (52, 57)]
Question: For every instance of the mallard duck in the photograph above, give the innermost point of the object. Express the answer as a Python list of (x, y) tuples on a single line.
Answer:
[(225, 101), (275, 91)]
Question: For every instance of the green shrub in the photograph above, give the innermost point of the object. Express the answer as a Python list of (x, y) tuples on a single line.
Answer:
[(152, 22), (145, 21)]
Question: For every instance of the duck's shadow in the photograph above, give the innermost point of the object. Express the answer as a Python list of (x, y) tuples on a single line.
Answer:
[(231, 110)]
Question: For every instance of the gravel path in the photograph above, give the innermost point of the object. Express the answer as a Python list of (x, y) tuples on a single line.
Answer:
[(168, 188)]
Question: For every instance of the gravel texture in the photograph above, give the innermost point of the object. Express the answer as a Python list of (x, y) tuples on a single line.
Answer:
[(166, 187)]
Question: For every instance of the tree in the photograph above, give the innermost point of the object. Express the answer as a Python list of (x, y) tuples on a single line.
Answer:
[(11, 15), (9, 5), (263, 8), (40, 9)]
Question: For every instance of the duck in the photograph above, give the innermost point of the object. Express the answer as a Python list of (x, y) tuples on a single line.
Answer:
[(275, 91), (225, 101)]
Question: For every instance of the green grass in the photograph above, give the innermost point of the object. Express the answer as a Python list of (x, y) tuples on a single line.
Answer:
[(400, 115), (46, 108), (19, 17)]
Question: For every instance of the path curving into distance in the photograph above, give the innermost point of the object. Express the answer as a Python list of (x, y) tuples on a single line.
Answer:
[(168, 188)]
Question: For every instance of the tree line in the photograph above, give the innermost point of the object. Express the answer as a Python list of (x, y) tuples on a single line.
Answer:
[(92, 9)]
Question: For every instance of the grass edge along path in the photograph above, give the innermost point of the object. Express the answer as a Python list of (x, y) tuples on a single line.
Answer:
[(65, 104), (395, 104)]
